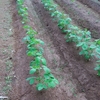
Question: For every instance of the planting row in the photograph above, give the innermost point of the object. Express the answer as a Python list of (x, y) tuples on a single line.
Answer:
[(40, 73), (82, 38)]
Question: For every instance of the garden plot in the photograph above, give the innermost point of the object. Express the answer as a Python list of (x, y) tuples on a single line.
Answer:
[(76, 76), (82, 15), (21, 89)]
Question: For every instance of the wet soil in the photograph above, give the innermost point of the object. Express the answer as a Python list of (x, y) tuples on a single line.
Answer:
[(82, 15), (78, 80)]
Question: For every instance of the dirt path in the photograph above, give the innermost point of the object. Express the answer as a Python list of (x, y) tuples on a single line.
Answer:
[(6, 47)]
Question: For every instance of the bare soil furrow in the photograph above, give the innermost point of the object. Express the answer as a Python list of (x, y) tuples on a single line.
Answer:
[(93, 4)]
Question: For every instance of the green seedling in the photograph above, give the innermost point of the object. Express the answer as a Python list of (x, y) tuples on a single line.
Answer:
[(38, 66), (97, 55), (8, 79), (97, 68), (63, 23), (82, 39), (8, 65), (22, 11)]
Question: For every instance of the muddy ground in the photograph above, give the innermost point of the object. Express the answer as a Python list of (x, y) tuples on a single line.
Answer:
[(78, 80)]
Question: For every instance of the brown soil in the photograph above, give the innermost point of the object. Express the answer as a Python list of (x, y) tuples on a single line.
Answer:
[(21, 89), (78, 81), (94, 4), (6, 46), (82, 16)]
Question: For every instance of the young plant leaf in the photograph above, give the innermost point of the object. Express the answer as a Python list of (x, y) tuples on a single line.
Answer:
[(98, 73), (31, 80), (44, 62), (97, 67), (46, 69), (41, 86), (32, 71)]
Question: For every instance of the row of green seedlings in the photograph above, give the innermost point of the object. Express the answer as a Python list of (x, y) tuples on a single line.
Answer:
[(82, 38), (40, 73)]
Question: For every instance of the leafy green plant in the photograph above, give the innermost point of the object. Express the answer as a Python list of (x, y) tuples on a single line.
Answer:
[(38, 66), (97, 54), (82, 39), (63, 24), (74, 34), (22, 11), (87, 46), (44, 78), (97, 68)]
